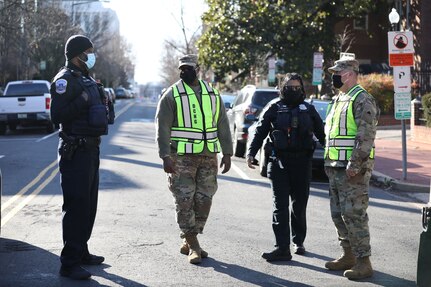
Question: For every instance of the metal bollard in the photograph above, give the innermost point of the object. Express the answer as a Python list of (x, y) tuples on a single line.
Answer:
[(424, 257)]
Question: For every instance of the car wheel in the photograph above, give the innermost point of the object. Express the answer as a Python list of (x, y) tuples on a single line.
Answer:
[(238, 147), (2, 129), (263, 163), (50, 127)]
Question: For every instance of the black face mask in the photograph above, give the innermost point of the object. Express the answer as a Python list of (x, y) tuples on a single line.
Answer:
[(292, 98), (188, 76), (336, 81)]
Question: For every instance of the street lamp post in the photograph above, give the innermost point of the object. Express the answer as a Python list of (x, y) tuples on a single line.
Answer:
[(394, 18)]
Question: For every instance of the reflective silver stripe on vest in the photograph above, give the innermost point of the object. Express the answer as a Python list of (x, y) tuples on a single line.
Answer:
[(181, 88), (212, 135), (187, 135), (342, 155), (343, 115), (189, 147), (193, 135), (213, 101), (341, 143), (209, 88), (185, 103)]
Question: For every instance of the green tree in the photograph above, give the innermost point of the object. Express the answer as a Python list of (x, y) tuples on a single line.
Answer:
[(239, 35)]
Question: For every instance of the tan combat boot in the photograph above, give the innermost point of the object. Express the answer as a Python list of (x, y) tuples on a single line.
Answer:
[(184, 249), (346, 261), (194, 256), (361, 270)]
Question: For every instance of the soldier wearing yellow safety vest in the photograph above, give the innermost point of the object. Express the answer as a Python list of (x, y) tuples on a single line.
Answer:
[(350, 130), (192, 127)]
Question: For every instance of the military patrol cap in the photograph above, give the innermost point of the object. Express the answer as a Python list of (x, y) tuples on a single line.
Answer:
[(188, 60), (347, 61), (76, 45)]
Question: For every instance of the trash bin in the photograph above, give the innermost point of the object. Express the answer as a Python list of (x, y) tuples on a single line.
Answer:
[(424, 257)]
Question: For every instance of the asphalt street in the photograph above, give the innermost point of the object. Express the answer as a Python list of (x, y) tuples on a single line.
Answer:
[(136, 231)]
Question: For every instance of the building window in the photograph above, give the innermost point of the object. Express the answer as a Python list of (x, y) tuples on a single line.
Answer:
[(360, 23)]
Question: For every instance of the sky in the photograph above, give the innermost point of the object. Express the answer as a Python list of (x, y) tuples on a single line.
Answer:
[(147, 23)]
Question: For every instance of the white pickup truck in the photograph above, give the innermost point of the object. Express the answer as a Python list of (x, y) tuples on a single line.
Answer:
[(26, 103)]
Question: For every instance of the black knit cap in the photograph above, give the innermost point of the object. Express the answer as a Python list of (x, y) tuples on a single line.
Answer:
[(76, 45)]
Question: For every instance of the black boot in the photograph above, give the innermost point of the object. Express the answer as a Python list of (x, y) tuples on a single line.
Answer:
[(75, 272), (299, 249), (91, 259), (277, 254)]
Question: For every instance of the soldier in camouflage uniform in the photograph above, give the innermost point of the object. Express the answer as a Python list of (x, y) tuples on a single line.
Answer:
[(349, 160), (192, 127)]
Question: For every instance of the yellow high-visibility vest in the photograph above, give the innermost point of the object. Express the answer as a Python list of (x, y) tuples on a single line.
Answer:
[(197, 122), (340, 128)]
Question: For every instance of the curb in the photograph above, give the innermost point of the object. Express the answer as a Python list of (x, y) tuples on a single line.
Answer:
[(384, 181)]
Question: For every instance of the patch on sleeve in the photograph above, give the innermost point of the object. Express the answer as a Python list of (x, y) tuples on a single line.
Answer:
[(60, 86)]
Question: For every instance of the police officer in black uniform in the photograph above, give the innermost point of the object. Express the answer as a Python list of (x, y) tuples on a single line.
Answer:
[(80, 106), (290, 123)]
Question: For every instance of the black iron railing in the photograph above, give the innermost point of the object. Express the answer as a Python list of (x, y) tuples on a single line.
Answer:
[(423, 78)]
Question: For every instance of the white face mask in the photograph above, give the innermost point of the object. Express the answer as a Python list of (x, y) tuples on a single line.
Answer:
[(91, 60)]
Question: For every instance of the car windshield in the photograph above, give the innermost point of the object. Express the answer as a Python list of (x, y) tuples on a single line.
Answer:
[(321, 108), (31, 89), (261, 98), (227, 98)]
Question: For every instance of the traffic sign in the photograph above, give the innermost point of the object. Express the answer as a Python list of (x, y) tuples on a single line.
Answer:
[(317, 68), (401, 49), (402, 79), (317, 76), (317, 60), (402, 106)]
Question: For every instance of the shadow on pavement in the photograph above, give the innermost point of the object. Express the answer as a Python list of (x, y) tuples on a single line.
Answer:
[(387, 280), (248, 275), (23, 265)]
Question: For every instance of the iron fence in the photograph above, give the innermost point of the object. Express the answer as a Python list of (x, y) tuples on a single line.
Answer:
[(423, 78)]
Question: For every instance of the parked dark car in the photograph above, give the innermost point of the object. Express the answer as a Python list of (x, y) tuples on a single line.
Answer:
[(318, 159), (122, 93), (110, 94), (244, 110)]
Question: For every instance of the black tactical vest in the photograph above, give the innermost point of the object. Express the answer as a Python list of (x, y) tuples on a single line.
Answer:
[(293, 129), (92, 120)]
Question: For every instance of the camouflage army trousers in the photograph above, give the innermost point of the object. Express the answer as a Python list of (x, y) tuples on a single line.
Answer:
[(193, 186), (349, 203)]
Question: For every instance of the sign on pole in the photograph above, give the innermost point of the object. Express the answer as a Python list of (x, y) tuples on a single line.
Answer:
[(400, 47), (402, 79), (271, 70), (402, 102), (317, 68)]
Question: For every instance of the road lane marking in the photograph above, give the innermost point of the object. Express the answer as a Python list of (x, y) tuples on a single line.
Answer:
[(1, 156), (123, 110), (28, 186), (29, 198), (47, 136), (240, 172)]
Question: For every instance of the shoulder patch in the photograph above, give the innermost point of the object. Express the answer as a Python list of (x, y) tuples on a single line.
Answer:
[(60, 86), (302, 107)]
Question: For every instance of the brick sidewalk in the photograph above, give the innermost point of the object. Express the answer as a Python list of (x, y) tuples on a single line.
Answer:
[(389, 160)]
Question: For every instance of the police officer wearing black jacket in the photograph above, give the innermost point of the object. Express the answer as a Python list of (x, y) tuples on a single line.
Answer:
[(290, 123), (80, 106)]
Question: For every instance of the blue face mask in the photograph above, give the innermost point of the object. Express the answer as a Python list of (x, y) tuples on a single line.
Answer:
[(91, 60)]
